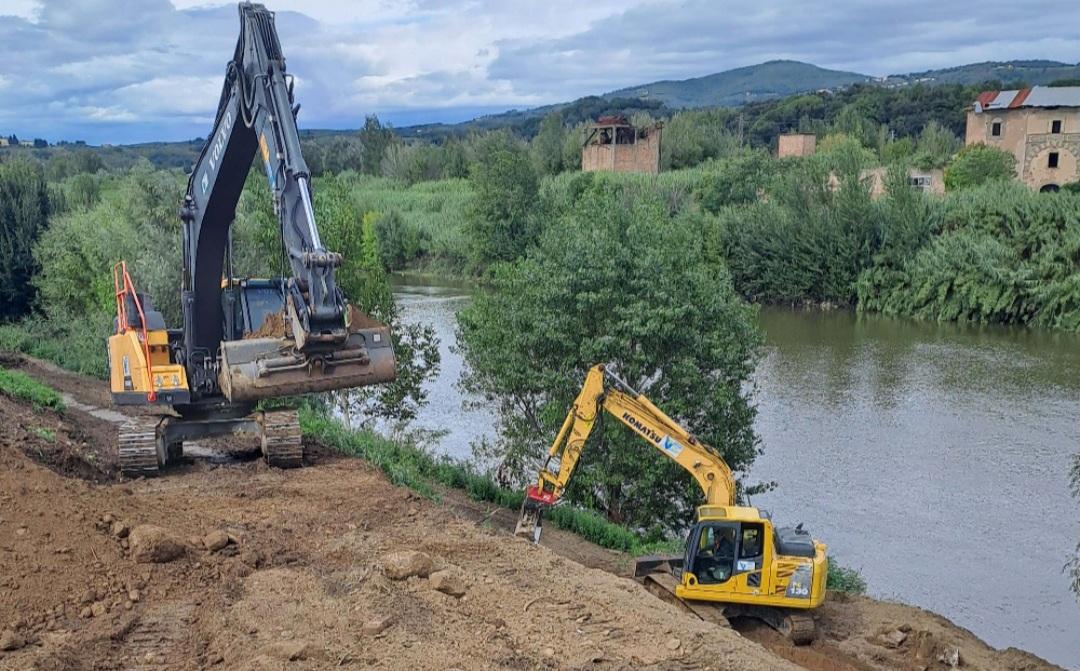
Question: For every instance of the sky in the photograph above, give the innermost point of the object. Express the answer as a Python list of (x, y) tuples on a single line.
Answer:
[(113, 71)]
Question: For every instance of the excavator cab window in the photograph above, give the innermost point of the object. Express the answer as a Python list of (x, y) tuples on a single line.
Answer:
[(750, 552), (714, 561)]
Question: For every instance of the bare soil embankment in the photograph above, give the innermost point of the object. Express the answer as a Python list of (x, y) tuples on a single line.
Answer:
[(269, 569)]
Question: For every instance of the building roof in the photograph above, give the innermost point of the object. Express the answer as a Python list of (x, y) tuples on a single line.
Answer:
[(1038, 96)]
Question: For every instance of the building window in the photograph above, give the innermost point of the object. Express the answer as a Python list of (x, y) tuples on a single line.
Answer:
[(1055, 126), (995, 129), (921, 182), (1053, 162)]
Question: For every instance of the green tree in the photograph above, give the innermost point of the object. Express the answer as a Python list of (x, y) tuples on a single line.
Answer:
[(978, 164), (501, 223), (547, 147), (936, 146), (24, 214), (374, 140), (361, 277), (617, 279)]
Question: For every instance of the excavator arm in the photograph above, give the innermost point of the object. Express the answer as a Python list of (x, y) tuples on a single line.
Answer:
[(257, 116), (604, 391)]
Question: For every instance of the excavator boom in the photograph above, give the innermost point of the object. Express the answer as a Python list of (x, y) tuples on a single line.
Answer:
[(605, 391), (320, 349)]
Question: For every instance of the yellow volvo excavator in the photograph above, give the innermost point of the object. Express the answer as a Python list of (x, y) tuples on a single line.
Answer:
[(737, 562), (247, 340)]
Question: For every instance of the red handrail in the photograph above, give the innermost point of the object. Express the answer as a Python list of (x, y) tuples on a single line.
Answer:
[(124, 287)]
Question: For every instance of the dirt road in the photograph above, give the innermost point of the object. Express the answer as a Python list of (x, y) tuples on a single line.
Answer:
[(298, 578)]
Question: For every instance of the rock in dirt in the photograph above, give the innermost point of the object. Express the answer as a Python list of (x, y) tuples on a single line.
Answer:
[(448, 582), (895, 638), (119, 529), (215, 540), (10, 640), (674, 644), (377, 625), (153, 545), (287, 650), (405, 564), (951, 657), (99, 609)]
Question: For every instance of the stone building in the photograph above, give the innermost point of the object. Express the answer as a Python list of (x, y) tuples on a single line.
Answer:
[(1040, 126), (796, 144), (613, 144)]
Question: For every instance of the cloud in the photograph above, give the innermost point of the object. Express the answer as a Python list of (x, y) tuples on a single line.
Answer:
[(95, 70)]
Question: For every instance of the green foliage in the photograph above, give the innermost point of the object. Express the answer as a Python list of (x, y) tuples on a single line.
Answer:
[(621, 276), (997, 253), (18, 384), (546, 148), (937, 145), (24, 212), (75, 344), (401, 242), (693, 136), (735, 180), (375, 138), (843, 579), (978, 164), (135, 221), (811, 237), (408, 465), (501, 223)]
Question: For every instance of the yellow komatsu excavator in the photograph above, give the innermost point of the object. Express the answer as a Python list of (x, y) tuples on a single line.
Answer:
[(737, 562)]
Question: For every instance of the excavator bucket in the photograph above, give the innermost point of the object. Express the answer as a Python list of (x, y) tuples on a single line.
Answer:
[(268, 367), (530, 522)]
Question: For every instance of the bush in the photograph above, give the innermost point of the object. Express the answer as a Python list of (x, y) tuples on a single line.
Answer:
[(77, 345), (810, 238), (842, 579), (978, 164), (18, 384)]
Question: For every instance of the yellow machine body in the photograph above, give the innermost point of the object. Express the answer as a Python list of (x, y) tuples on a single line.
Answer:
[(135, 380), (766, 579)]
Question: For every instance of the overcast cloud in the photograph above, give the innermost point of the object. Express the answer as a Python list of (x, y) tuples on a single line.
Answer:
[(112, 71)]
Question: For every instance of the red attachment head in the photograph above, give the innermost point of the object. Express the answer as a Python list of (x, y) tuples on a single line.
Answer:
[(540, 496)]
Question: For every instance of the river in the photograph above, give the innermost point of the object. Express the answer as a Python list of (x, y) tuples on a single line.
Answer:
[(932, 457)]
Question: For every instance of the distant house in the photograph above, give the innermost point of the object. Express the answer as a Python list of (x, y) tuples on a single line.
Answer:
[(26, 143), (796, 144), (614, 145), (1040, 126), (4, 142)]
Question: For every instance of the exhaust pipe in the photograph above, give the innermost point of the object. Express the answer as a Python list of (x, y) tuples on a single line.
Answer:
[(260, 368)]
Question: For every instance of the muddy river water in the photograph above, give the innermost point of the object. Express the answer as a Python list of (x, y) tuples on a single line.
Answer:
[(934, 458)]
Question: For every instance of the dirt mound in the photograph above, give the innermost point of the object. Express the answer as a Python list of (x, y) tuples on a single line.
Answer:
[(272, 327), (300, 582)]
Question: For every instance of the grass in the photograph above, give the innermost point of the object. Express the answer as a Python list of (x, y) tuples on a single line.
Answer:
[(843, 579), (77, 346), (48, 435), (409, 466), (18, 384)]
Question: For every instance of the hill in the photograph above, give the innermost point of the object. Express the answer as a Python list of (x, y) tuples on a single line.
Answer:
[(731, 88), (1029, 73)]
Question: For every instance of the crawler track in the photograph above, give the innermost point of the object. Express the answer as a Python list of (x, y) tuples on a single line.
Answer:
[(138, 447), (282, 443)]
